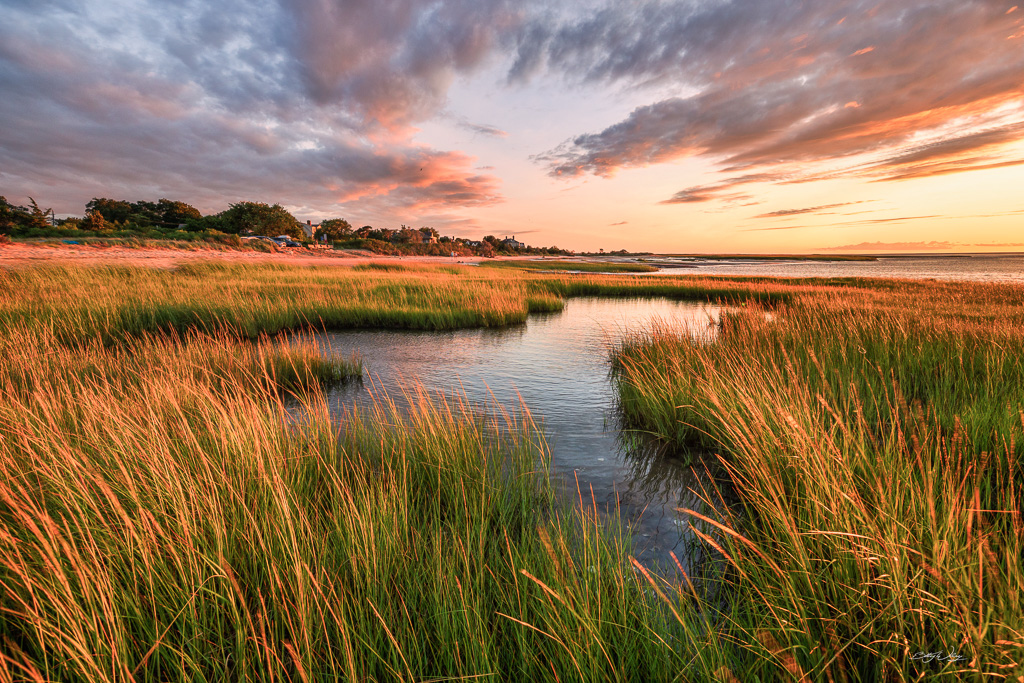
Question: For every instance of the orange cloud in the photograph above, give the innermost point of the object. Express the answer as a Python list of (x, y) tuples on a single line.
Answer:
[(777, 108)]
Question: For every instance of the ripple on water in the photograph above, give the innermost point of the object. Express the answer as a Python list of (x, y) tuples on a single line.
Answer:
[(557, 364)]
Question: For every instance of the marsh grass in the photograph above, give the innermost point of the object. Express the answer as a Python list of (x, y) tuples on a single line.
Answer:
[(875, 441), (113, 304), (170, 527), (165, 516)]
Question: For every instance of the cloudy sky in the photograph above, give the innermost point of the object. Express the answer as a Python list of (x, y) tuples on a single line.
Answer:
[(674, 125)]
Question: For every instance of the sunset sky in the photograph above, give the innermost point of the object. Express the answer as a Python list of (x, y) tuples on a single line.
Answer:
[(676, 126)]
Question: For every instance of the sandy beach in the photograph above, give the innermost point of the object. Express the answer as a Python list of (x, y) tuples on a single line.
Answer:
[(20, 254)]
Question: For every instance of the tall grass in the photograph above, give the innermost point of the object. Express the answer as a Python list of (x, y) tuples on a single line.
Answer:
[(875, 440), (118, 303), (35, 358), (178, 528), (163, 516)]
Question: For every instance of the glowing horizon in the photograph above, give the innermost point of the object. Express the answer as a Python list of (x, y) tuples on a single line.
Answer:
[(669, 126)]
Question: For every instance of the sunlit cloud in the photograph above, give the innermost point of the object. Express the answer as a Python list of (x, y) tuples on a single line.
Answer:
[(786, 213), (722, 190), (808, 91)]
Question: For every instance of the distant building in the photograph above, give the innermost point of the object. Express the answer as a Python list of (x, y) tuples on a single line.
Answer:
[(512, 242), (308, 229)]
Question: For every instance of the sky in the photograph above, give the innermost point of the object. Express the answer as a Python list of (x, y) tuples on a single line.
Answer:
[(675, 126)]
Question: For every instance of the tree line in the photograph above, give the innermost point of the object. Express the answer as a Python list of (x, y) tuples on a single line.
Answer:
[(104, 216), (172, 219)]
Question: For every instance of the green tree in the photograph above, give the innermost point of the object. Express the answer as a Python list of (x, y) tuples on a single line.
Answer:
[(9, 216), (260, 219), (143, 214), (94, 222), (174, 213), (17, 219), (215, 222), (335, 229), (114, 210), (38, 218), (372, 233), (406, 234)]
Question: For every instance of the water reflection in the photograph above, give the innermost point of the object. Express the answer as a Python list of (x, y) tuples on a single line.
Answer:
[(557, 364), (659, 483)]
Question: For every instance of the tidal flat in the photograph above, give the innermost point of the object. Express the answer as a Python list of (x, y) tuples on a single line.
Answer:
[(161, 518)]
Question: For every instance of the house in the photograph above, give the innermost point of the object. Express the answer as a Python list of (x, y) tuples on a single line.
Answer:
[(308, 229), (512, 242)]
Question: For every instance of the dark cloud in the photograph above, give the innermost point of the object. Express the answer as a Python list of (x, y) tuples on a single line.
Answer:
[(391, 61), (783, 82), (305, 102)]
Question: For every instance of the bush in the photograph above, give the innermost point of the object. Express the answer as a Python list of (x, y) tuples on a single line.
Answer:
[(376, 246)]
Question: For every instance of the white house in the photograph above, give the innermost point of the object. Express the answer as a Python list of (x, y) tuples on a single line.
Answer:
[(308, 229)]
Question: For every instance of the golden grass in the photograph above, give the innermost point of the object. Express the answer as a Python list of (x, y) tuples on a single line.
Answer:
[(163, 516), (875, 438)]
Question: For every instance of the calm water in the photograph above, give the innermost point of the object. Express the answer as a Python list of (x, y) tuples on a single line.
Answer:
[(558, 365), (976, 267)]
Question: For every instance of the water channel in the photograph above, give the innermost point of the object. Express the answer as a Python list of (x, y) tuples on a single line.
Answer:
[(558, 366)]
